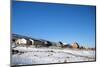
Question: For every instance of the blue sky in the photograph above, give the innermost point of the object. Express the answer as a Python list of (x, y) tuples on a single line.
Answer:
[(55, 22)]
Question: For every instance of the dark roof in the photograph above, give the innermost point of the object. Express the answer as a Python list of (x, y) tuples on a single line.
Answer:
[(15, 36)]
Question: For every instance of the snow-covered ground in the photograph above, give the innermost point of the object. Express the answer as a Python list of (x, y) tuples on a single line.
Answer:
[(48, 55)]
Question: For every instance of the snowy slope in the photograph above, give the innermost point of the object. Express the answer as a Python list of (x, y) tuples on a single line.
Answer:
[(48, 55)]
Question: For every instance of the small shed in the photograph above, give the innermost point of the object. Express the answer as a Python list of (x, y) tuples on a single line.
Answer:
[(75, 45)]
